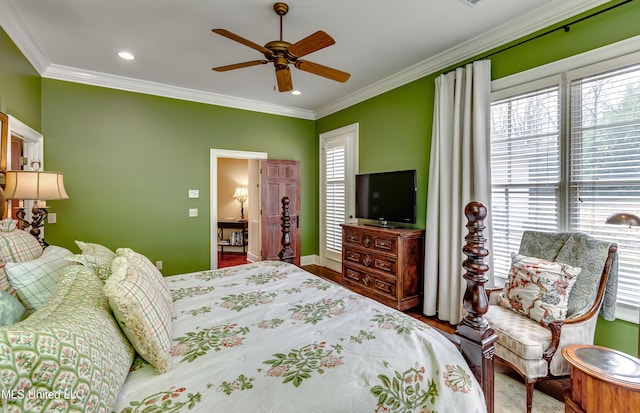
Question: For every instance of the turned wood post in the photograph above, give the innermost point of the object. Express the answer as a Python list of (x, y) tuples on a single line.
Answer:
[(475, 334), (286, 253)]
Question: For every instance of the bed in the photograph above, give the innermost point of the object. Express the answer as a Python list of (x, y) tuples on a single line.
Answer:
[(260, 337)]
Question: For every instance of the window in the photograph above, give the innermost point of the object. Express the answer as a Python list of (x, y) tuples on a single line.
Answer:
[(338, 165), (565, 155)]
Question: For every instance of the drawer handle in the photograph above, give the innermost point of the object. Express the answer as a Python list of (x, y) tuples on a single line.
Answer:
[(352, 238), (354, 275), (383, 286), (353, 256), (384, 265), (384, 244)]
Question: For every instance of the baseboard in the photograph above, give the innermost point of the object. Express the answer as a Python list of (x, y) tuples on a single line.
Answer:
[(310, 260)]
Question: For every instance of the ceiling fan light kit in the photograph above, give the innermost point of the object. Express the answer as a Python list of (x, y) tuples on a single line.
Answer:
[(282, 54)]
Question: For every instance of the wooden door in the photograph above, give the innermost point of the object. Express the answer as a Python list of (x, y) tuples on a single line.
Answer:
[(277, 180)]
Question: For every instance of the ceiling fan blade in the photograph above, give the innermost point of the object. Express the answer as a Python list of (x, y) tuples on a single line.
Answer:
[(324, 71), (239, 65), (316, 41), (233, 36), (284, 79)]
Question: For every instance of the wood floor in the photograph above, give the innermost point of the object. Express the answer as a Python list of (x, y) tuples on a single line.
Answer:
[(553, 388)]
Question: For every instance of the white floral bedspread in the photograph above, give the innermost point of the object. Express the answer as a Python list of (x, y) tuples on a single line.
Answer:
[(270, 337)]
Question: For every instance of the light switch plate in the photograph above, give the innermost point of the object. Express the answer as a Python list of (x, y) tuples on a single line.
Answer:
[(193, 212), (194, 193)]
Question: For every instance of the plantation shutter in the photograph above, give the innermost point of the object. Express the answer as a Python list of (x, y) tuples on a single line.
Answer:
[(525, 169), (605, 165), (335, 151)]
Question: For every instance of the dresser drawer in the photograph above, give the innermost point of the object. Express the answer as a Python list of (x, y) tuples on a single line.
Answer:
[(372, 241), (371, 281), (370, 259)]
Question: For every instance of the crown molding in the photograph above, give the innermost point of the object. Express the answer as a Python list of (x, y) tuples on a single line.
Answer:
[(88, 77), (542, 17), (12, 23)]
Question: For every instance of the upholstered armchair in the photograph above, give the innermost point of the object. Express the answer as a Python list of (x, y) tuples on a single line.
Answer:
[(532, 329)]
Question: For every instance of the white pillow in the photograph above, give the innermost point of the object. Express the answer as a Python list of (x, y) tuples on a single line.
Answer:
[(538, 288), (35, 280), (98, 250)]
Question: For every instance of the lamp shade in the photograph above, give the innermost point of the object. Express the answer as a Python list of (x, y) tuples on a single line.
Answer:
[(35, 185), (241, 192), (622, 218)]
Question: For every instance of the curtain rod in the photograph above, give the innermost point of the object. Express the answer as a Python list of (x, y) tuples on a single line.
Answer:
[(565, 27)]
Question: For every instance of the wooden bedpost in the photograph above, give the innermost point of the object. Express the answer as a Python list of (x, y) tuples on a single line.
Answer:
[(475, 335), (286, 253)]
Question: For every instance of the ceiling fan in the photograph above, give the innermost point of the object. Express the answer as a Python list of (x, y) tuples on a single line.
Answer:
[(282, 53)]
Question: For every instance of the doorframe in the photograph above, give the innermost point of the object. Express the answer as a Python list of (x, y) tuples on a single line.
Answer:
[(214, 154)]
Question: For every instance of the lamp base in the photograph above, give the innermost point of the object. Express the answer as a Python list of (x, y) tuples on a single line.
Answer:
[(38, 215)]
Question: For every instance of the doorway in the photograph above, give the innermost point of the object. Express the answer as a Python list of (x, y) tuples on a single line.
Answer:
[(253, 224)]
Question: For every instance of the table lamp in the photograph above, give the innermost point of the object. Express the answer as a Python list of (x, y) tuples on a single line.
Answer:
[(623, 218), (36, 185), (241, 194)]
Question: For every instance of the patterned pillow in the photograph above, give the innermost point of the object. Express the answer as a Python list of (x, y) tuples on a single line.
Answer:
[(100, 265), (35, 280), (146, 267), (71, 347), (538, 288), (89, 248), (141, 311), (11, 310), (16, 246)]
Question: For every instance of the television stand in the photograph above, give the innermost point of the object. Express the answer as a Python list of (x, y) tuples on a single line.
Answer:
[(384, 264), (382, 225)]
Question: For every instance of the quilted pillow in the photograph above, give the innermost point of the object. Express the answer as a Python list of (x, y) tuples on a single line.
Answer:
[(538, 288), (35, 280), (16, 246), (100, 265), (146, 267), (71, 349), (141, 311), (11, 310), (89, 248)]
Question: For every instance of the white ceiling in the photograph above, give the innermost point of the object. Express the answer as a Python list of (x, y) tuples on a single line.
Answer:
[(382, 43)]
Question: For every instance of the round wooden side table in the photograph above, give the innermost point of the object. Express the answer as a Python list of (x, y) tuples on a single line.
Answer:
[(602, 380)]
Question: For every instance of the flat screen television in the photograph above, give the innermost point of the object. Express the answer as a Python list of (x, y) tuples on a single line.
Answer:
[(387, 197)]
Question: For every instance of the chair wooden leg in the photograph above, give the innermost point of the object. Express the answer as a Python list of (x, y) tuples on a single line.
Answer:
[(529, 386)]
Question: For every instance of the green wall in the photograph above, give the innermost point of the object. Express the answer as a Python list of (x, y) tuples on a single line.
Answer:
[(19, 84), (395, 127), (129, 159)]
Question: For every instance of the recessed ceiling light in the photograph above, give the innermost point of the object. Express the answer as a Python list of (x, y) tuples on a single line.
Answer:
[(126, 55), (296, 92)]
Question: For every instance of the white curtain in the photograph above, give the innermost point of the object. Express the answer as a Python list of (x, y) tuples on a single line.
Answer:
[(459, 172)]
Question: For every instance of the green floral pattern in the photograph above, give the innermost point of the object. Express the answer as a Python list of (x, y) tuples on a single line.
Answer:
[(196, 344), (313, 313), (299, 364), (164, 402), (239, 302), (406, 391), (295, 343)]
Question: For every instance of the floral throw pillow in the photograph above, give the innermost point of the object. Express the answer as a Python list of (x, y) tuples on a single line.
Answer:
[(538, 288)]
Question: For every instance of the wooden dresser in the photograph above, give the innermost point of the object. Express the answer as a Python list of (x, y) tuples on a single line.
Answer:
[(384, 264)]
